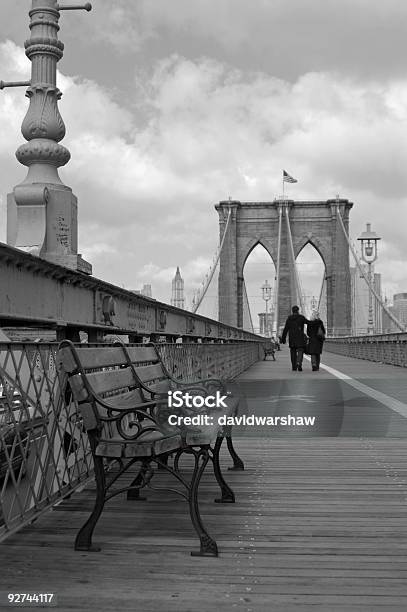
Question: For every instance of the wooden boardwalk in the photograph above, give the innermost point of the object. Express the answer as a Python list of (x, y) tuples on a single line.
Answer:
[(320, 524)]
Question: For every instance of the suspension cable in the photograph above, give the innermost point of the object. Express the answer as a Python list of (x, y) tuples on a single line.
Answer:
[(295, 271), (212, 269), (321, 293), (363, 273), (247, 305)]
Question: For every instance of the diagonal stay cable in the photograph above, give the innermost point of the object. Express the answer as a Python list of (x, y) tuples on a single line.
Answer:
[(213, 267), (363, 273)]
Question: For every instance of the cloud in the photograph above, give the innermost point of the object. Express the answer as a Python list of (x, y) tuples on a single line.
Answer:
[(147, 177), (358, 37), (118, 24)]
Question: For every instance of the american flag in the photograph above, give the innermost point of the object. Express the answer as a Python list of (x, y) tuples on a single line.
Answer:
[(287, 178)]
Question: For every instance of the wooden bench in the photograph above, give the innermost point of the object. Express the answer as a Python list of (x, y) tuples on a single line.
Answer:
[(122, 396), (269, 349)]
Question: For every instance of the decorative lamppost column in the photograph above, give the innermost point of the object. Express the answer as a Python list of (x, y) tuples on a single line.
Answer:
[(368, 243), (42, 211), (266, 291)]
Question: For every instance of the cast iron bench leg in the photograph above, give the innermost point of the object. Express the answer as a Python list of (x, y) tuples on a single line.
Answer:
[(228, 497), (84, 538), (208, 547), (238, 464), (134, 494)]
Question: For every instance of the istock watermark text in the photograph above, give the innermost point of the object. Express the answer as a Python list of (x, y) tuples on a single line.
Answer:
[(177, 399)]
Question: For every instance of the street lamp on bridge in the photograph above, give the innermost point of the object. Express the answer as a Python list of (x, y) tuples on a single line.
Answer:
[(368, 243), (42, 211), (267, 292)]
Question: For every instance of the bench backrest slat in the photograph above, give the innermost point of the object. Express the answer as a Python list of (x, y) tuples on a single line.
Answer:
[(95, 358), (150, 373), (160, 387), (107, 373), (111, 380), (140, 354)]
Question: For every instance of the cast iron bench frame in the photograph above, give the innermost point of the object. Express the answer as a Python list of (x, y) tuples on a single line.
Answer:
[(140, 403), (269, 349)]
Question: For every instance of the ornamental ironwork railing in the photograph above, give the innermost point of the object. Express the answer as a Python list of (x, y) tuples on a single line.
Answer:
[(44, 452), (382, 348)]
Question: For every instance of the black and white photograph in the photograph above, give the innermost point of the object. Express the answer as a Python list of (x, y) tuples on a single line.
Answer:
[(203, 305)]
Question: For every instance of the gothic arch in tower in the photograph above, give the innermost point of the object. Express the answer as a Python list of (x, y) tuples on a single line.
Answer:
[(312, 222)]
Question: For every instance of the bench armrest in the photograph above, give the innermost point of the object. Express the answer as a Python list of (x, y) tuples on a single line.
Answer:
[(117, 420)]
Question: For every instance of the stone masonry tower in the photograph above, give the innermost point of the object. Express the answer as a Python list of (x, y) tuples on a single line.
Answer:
[(313, 222), (42, 211), (177, 298)]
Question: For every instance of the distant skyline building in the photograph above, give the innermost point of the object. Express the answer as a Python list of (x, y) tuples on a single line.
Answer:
[(309, 304), (397, 309), (177, 297), (314, 303), (388, 325), (400, 307), (360, 302), (146, 291)]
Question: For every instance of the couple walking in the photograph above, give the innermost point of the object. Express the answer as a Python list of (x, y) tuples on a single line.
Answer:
[(298, 341)]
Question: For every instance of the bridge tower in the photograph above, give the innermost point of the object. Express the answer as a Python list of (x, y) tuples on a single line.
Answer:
[(294, 222), (41, 211)]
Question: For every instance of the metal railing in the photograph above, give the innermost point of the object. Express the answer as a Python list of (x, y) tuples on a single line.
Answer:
[(44, 452), (382, 348), (202, 361)]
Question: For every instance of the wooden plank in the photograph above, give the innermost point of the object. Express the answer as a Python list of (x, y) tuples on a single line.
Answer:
[(150, 372), (111, 380), (160, 387), (101, 357), (140, 354), (129, 399), (107, 356), (319, 525)]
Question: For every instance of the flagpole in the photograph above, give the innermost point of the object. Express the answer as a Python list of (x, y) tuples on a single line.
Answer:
[(283, 184)]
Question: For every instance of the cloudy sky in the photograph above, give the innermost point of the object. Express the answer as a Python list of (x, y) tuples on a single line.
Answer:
[(171, 106)]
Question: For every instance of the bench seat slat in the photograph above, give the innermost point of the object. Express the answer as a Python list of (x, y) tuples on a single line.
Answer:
[(148, 444)]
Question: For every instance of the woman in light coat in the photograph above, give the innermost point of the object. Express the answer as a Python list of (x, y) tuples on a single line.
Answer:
[(316, 334)]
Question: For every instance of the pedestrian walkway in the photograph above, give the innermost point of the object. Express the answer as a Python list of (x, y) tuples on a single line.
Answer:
[(320, 521), (347, 397)]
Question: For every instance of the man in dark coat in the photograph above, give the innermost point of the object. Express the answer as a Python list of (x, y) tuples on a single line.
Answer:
[(316, 333), (294, 327)]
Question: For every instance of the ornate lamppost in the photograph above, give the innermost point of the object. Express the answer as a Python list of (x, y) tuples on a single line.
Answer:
[(42, 211), (266, 292), (368, 244)]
